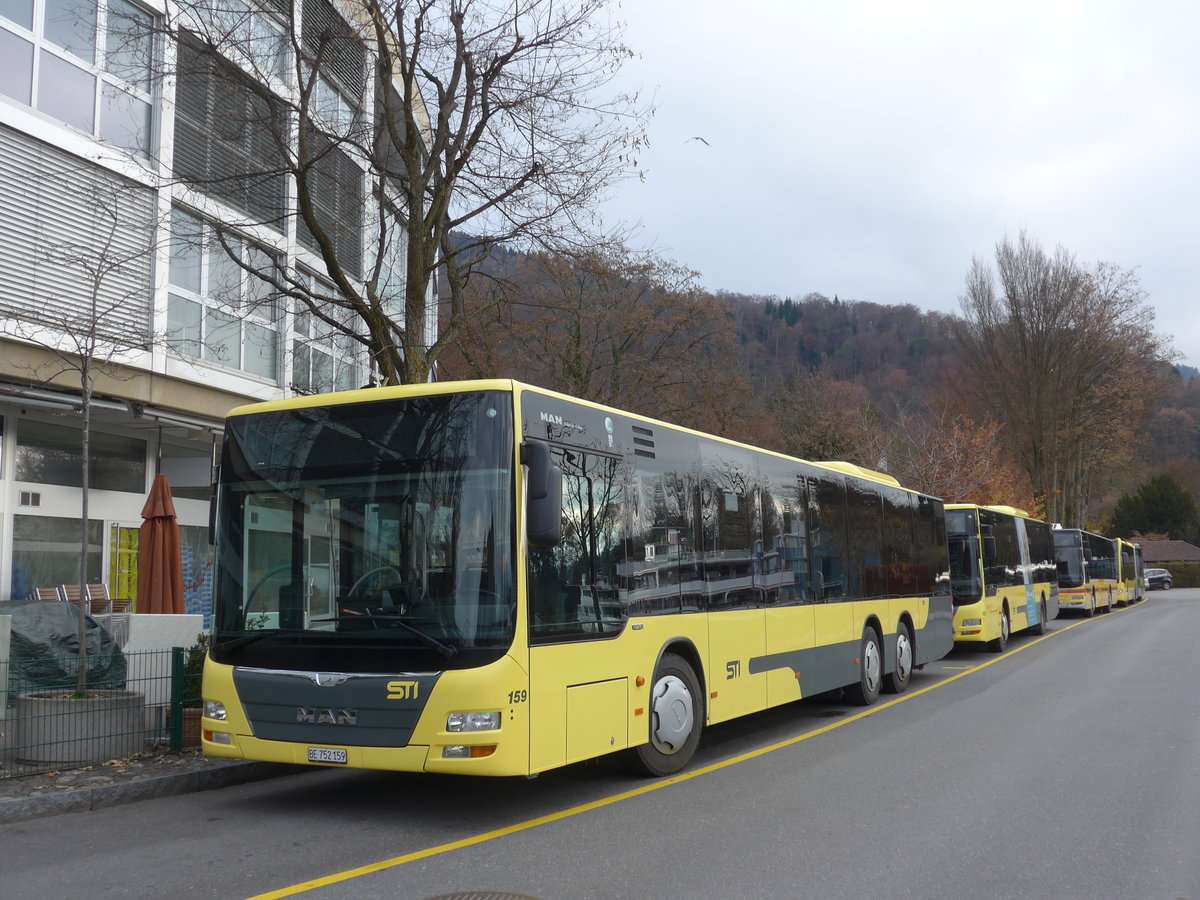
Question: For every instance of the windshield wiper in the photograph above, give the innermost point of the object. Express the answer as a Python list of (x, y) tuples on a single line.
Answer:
[(447, 650), (245, 639)]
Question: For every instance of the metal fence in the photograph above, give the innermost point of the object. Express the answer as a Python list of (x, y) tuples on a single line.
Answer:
[(141, 702)]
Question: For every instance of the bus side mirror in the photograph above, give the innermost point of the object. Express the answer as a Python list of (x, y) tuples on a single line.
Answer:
[(989, 552), (543, 506)]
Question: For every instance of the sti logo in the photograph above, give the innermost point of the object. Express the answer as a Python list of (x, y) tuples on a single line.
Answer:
[(402, 690)]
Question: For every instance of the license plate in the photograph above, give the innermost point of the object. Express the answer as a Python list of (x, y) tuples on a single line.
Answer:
[(326, 755)]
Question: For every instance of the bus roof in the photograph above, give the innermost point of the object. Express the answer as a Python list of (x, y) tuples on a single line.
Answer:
[(994, 507), (508, 385)]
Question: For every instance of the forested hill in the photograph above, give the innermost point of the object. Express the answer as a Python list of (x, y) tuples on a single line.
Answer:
[(898, 349)]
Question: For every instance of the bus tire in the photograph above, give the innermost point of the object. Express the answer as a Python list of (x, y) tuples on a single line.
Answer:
[(870, 670), (895, 682), (1091, 610), (1040, 627), (676, 717), (998, 645)]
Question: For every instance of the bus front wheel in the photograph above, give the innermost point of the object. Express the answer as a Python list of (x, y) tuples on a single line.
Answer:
[(998, 645), (895, 682), (870, 670), (676, 719)]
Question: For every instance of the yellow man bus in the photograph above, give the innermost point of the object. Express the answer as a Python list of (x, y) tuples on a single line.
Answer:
[(486, 578), (1002, 573), (1131, 575), (1087, 570)]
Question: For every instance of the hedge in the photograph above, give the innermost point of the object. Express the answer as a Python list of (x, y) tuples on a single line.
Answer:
[(1183, 574)]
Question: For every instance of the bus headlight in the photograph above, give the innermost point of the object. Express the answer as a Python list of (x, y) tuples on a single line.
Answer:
[(473, 721), (214, 710), (972, 623)]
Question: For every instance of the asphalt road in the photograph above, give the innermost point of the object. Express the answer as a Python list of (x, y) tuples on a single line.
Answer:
[(1068, 767)]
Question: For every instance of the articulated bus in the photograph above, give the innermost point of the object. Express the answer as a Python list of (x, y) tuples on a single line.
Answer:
[(1002, 573), (1132, 572), (1087, 570), (487, 578)]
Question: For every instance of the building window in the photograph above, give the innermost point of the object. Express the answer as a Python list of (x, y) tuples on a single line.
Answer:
[(216, 309), (46, 553), (87, 63), (228, 136), (252, 39), (53, 454), (323, 357), (327, 37), (335, 183)]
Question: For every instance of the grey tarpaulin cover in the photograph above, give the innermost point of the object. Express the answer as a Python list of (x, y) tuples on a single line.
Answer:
[(45, 649)]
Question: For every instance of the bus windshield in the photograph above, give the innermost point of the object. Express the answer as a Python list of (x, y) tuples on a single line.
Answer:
[(1068, 549), (965, 577), (367, 537)]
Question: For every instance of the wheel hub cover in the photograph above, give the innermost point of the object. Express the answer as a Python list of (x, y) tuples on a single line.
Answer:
[(871, 666), (903, 656), (671, 707)]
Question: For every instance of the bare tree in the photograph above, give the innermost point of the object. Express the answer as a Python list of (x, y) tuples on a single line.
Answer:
[(1065, 357), (957, 457), (94, 318), (491, 119), (818, 417), (614, 326)]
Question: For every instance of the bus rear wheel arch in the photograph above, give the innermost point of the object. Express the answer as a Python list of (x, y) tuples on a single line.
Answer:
[(675, 714), (1040, 627)]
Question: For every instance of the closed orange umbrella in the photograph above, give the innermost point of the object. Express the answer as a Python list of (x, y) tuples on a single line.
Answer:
[(160, 562)]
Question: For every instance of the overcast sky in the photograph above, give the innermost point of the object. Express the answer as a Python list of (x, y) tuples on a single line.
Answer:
[(871, 149)]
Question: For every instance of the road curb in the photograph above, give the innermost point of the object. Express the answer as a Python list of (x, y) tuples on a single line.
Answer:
[(85, 799)]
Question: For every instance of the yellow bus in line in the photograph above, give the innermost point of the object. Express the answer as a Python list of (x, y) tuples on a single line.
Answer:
[(1087, 570), (1002, 573), (1132, 573), (487, 578)]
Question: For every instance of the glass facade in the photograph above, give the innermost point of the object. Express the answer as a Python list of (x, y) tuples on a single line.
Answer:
[(46, 552), (53, 454)]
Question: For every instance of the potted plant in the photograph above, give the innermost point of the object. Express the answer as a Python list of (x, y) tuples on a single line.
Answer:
[(192, 699)]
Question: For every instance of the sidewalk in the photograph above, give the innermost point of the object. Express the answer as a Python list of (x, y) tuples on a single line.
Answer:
[(126, 781)]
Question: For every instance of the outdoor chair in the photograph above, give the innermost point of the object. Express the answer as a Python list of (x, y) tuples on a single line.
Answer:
[(70, 593), (46, 595), (114, 613), (99, 601)]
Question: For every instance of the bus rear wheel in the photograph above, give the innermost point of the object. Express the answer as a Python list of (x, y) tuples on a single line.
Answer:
[(896, 681), (870, 670), (676, 719), (998, 645)]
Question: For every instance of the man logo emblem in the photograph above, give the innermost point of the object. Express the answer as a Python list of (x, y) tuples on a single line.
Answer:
[(328, 679), (316, 715)]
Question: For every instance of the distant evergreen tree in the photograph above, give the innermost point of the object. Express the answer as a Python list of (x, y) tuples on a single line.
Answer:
[(1160, 506)]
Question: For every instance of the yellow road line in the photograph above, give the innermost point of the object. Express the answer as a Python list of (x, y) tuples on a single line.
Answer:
[(396, 861)]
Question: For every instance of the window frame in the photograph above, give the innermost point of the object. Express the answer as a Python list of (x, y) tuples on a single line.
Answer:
[(100, 122), (197, 250), (305, 340)]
